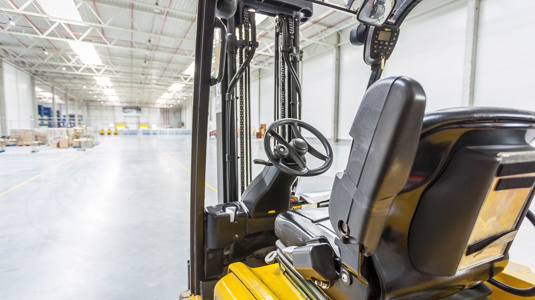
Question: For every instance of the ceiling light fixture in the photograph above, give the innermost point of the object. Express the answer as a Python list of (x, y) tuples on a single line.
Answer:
[(87, 53), (157, 9), (63, 68), (44, 51), (103, 81), (176, 87), (190, 70), (66, 9), (11, 22)]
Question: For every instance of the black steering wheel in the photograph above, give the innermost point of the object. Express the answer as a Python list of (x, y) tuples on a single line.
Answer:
[(288, 152)]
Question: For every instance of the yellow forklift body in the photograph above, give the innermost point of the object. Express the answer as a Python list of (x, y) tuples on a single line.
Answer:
[(515, 275), (267, 282)]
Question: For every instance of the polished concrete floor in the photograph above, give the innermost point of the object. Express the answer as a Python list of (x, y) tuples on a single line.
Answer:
[(112, 222)]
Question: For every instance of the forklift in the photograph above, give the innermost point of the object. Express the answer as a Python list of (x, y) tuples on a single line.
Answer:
[(426, 208)]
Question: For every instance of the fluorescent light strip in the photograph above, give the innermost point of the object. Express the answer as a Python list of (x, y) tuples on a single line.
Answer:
[(176, 87), (190, 70), (103, 81), (64, 9), (86, 52)]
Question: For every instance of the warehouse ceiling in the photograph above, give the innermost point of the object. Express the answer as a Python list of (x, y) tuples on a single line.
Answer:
[(126, 53)]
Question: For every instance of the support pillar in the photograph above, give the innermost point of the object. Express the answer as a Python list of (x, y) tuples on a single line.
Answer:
[(67, 119), (54, 109), (336, 108), (470, 52), (75, 112), (35, 115), (3, 114)]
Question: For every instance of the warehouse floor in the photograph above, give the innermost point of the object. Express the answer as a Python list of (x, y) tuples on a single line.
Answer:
[(112, 222)]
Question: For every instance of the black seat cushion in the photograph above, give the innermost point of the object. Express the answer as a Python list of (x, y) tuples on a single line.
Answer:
[(296, 227)]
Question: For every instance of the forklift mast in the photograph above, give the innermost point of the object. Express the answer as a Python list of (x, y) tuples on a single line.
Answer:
[(234, 116), (236, 20)]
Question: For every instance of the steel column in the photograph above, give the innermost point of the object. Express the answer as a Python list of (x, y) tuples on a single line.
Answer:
[(34, 102), (3, 113), (201, 99), (470, 52), (67, 119), (54, 112), (336, 108)]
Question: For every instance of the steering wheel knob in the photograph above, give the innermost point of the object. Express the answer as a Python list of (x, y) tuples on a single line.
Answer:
[(300, 146), (281, 150)]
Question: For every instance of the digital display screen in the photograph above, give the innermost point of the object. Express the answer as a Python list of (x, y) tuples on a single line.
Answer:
[(385, 35)]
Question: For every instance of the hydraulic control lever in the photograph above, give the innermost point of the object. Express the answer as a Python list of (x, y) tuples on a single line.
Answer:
[(232, 209)]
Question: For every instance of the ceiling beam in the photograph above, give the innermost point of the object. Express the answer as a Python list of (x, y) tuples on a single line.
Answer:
[(111, 46), (147, 8), (90, 24)]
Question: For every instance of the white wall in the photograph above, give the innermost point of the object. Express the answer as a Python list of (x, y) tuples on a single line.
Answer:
[(175, 115), (431, 51), (255, 111), (353, 81), (505, 57), (266, 97), (101, 116), (318, 92), (19, 104)]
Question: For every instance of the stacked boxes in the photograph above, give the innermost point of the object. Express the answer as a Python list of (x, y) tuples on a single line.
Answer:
[(25, 137), (261, 132), (63, 143)]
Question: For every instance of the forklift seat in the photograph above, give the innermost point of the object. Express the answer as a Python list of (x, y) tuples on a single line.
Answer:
[(432, 216)]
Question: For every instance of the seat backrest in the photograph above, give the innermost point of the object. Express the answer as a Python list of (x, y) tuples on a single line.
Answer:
[(468, 191), (385, 136), (428, 207)]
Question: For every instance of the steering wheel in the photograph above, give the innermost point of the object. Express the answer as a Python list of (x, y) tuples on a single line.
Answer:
[(288, 152)]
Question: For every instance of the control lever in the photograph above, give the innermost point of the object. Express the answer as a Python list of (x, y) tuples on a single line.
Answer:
[(262, 162), (232, 210)]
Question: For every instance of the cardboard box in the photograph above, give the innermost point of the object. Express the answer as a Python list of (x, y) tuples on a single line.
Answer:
[(53, 144), (63, 143)]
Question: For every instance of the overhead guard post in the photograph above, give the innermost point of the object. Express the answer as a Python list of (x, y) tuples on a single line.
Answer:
[(201, 97)]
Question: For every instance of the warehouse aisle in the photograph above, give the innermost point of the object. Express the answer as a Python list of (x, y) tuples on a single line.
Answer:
[(113, 222), (108, 223)]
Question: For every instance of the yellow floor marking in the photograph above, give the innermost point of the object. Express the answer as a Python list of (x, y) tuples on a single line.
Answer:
[(181, 165), (37, 176)]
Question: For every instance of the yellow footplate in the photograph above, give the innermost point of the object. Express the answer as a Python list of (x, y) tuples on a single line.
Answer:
[(266, 282), (515, 275)]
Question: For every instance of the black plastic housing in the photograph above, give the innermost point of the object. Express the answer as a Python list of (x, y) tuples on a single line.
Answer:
[(385, 138), (269, 193)]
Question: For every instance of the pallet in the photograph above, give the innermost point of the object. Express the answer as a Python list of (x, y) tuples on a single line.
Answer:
[(2, 150), (11, 145)]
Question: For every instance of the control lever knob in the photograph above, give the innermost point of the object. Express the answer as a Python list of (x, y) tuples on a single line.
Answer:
[(233, 213), (281, 150)]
